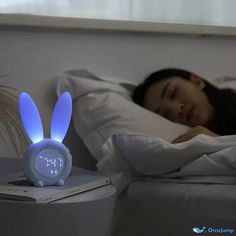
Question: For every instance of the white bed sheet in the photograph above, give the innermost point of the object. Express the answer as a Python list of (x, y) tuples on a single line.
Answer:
[(151, 207)]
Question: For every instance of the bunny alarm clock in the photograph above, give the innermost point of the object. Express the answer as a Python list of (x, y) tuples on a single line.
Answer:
[(47, 161)]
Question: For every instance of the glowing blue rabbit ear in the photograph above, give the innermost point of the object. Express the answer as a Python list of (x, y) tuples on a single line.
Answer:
[(30, 118), (61, 117)]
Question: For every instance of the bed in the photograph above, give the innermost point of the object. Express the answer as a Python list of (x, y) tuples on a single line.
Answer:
[(157, 208), (162, 188)]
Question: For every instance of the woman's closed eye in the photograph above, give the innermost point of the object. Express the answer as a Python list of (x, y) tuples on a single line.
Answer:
[(173, 94)]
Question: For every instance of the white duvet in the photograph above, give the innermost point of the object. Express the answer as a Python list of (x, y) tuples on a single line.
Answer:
[(217, 167), (203, 159)]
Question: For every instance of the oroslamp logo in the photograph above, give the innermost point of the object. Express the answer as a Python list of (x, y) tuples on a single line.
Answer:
[(203, 229), (199, 230)]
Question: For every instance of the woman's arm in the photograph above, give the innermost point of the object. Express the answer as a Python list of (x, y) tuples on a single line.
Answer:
[(192, 133)]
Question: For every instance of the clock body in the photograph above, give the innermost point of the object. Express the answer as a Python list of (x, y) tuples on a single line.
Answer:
[(47, 162)]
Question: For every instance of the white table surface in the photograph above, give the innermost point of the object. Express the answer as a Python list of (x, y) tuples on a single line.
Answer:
[(85, 214)]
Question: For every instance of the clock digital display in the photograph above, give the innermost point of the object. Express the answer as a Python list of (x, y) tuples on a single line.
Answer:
[(49, 163)]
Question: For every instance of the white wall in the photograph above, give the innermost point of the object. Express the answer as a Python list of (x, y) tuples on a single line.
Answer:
[(34, 58), (41, 55)]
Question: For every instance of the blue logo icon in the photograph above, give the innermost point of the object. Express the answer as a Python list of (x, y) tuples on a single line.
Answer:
[(199, 230)]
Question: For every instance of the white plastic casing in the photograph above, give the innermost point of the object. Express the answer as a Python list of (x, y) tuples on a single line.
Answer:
[(47, 162)]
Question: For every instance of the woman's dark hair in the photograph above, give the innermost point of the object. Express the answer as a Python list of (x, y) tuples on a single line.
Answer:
[(224, 103), (223, 100), (141, 90)]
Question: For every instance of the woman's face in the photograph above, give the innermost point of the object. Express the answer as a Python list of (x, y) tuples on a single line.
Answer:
[(179, 100)]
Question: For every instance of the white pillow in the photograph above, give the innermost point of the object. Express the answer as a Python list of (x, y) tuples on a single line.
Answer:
[(102, 109), (225, 82)]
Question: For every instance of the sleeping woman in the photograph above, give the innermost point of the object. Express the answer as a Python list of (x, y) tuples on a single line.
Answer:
[(187, 98)]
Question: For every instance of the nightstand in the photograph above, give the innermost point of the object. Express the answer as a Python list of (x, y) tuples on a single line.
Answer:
[(85, 214)]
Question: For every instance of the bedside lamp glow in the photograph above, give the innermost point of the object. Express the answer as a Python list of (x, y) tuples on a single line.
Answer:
[(46, 161), (61, 119), (31, 120)]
